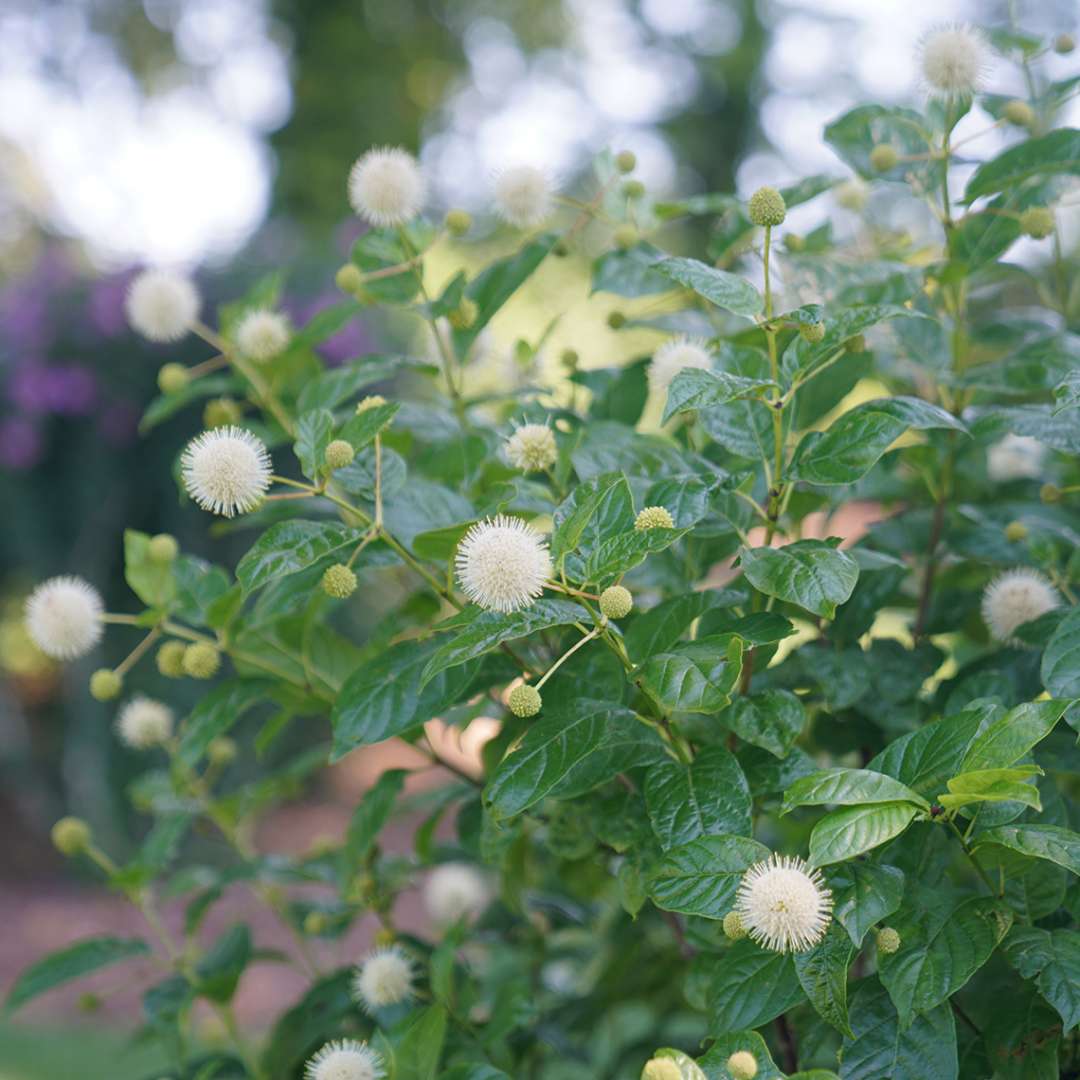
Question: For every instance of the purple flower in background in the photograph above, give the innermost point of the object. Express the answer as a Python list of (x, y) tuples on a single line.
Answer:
[(353, 340), (119, 423), (20, 444), (105, 306), (66, 389)]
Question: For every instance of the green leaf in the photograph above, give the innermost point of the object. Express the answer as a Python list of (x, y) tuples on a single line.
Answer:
[(709, 796), (855, 134), (384, 697), (371, 814), (702, 877), (853, 444), (362, 428), (1060, 670), (657, 629), (221, 966), (291, 546), (1052, 958), (993, 785), (380, 249), (630, 273), (864, 894), (715, 1061), (693, 388), (771, 719), (1051, 842), (314, 430), (336, 386), (940, 950), (476, 632), (696, 677), (727, 291), (688, 1068), (1067, 392), (1010, 738), (568, 752), (417, 1054), (306, 1025), (813, 574), (884, 1049), (1046, 155), (848, 787), (74, 962), (616, 555), (153, 582), (822, 972), (216, 713), (845, 833), (601, 507), (748, 987)]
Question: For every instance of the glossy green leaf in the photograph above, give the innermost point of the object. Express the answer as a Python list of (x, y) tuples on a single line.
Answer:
[(992, 785), (698, 676), (728, 291), (1052, 958), (220, 967), (362, 428), (694, 388), (152, 581), (314, 430), (714, 1063), (771, 719), (1061, 658), (848, 787), (1008, 739), (1054, 843), (843, 834), (1055, 153), (748, 987), (813, 574), (864, 894), (291, 546), (822, 972), (702, 877)]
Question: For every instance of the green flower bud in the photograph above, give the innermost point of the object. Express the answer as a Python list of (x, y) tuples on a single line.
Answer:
[(1037, 222), (766, 207), (733, 926), (570, 358), (372, 401), (163, 548), (625, 161), (812, 332), (172, 378), (524, 700), (616, 320), (1019, 112), (339, 581), (339, 453), (1016, 530), (616, 602), (561, 249), (626, 236), (201, 660), (89, 1003), (855, 344), (742, 1065), (851, 194), (170, 659), (794, 242), (315, 922), (1064, 44), (633, 189), (221, 751), (654, 517), (105, 684), (71, 836), (661, 1069), (349, 279), (221, 412), (1050, 493), (884, 157), (888, 940), (464, 315), (458, 222), (384, 937)]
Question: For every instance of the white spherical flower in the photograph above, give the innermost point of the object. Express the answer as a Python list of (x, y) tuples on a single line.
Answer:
[(162, 306), (384, 978), (1014, 598), (345, 1059), (502, 564), (386, 186), (531, 448), (63, 616), (784, 905), (226, 470), (262, 334), (455, 891), (523, 196), (1016, 457), (144, 723), (953, 60), (672, 357)]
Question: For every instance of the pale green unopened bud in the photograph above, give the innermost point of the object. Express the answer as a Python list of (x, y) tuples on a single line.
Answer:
[(172, 378), (349, 279), (616, 320), (1064, 44), (625, 161), (1019, 112), (201, 660), (733, 926), (221, 412), (1050, 493), (339, 581), (661, 1069), (458, 222), (170, 659), (524, 700), (616, 602), (339, 453), (464, 315), (163, 548), (767, 207), (1016, 530), (89, 1003), (884, 157), (742, 1065), (654, 517), (221, 751), (626, 236), (315, 922), (1037, 222), (812, 332), (71, 836), (570, 358), (851, 194), (888, 940), (633, 189), (372, 401), (794, 242), (105, 684)]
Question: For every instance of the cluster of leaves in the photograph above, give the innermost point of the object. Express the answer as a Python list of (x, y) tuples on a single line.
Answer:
[(841, 702)]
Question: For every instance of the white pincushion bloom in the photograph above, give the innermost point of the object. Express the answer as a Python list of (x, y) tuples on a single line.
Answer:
[(384, 978), (1014, 598), (784, 905), (523, 196), (672, 357), (262, 334), (345, 1059), (226, 470), (455, 891), (953, 60), (502, 564), (144, 723), (1016, 457), (63, 616), (386, 186), (162, 306), (531, 448)]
